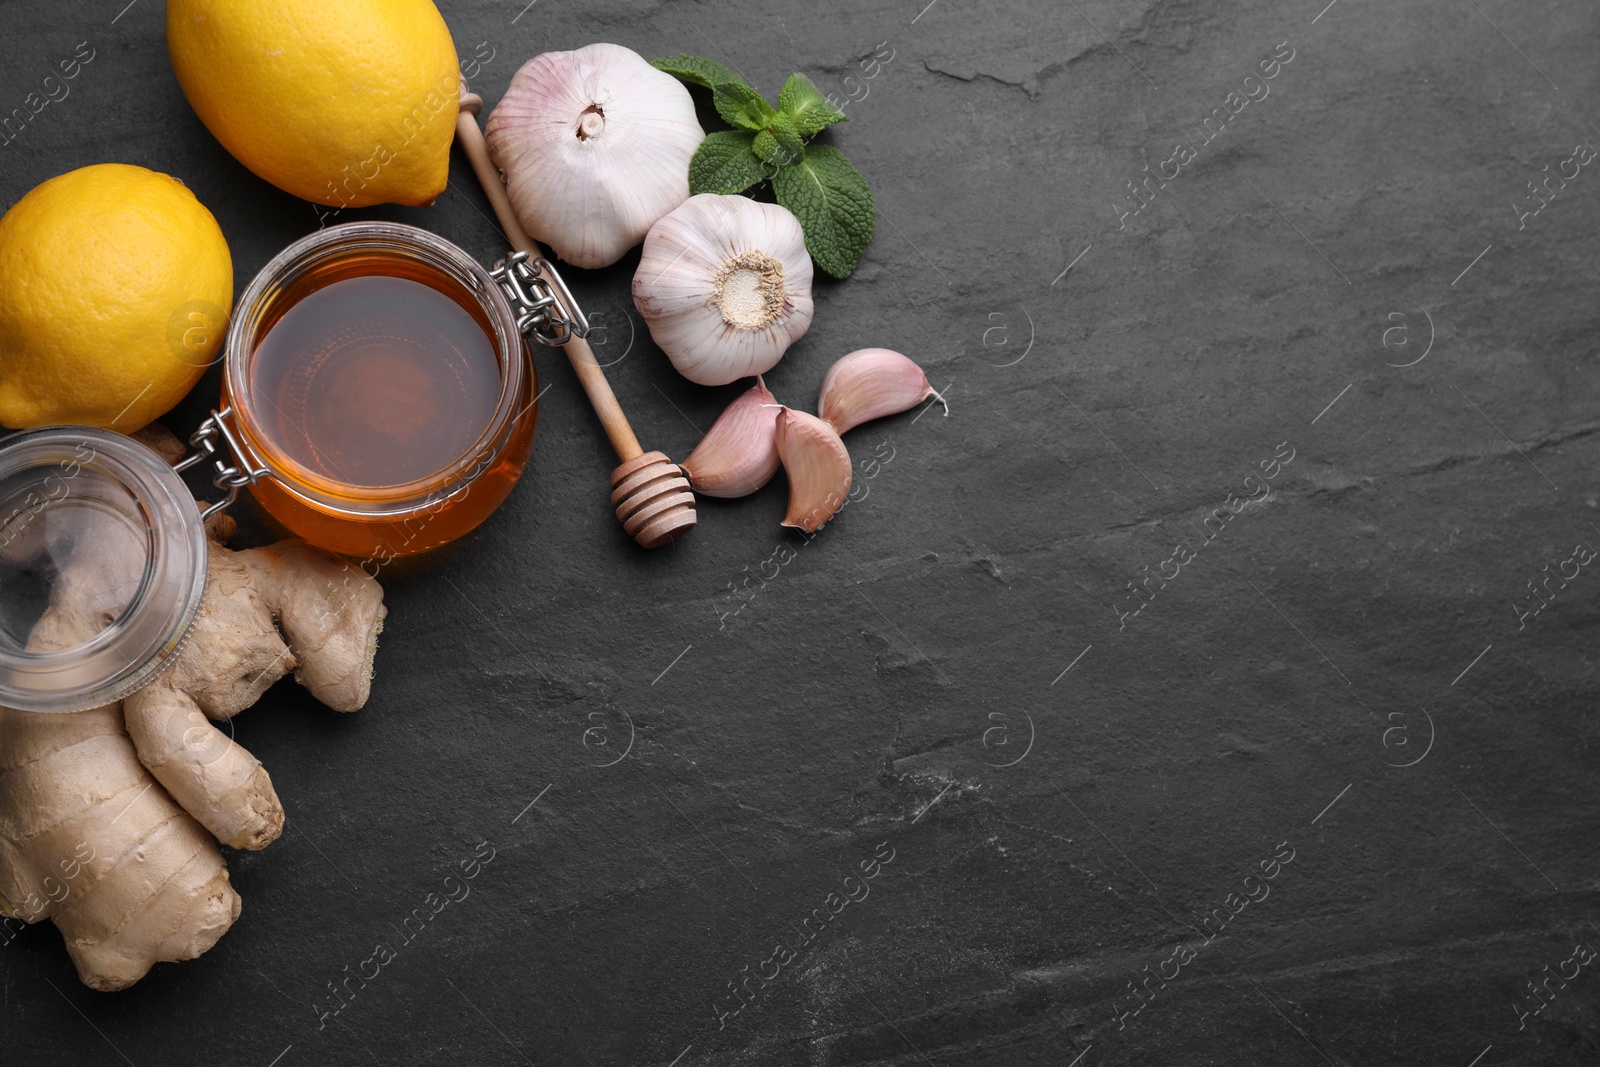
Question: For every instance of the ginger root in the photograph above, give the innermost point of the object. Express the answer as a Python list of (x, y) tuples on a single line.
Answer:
[(104, 813)]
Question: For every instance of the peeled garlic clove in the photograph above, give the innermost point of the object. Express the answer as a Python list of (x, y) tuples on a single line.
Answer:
[(725, 286), (595, 147), (869, 384), (818, 466), (739, 454)]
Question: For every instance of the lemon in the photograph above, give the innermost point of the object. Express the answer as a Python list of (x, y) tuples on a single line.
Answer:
[(342, 102), (117, 285)]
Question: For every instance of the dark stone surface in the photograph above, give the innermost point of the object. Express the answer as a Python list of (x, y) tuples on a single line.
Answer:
[(1095, 420)]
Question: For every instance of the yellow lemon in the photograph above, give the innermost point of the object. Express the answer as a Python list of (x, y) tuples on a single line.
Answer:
[(115, 296), (342, 102)]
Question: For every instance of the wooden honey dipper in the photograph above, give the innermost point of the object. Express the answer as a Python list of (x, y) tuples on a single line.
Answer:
[(653, 500)]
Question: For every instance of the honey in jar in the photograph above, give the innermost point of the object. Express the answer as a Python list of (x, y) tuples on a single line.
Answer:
[(378, 383)]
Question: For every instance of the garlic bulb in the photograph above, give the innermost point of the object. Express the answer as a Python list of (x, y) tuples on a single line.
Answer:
[(871, 383), (739, 454), (725, 286), (595, 147)]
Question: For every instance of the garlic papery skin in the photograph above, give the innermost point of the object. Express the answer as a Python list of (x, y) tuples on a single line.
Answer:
[(595, 147), (739, 454), (871, 383), (725, 286), (818, 466)]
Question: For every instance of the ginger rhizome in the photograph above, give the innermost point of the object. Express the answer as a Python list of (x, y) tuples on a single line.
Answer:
[(104, 813)]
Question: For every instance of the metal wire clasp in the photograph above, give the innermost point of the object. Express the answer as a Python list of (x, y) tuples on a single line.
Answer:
[(234, 471), (543, 305)]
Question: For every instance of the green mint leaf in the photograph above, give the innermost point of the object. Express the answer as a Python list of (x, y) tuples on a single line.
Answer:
[(831, 200), (792, 148), (780, 143), (765, 146), (724, 163), (697, 71), (740, 105), (807, 108)]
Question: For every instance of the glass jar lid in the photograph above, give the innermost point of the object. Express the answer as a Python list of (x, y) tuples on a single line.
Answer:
[(102, 567)]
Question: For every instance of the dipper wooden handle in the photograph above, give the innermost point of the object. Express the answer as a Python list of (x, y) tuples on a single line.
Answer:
[(650, 493)]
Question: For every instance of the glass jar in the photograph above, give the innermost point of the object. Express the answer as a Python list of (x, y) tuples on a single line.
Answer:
[(102, 567), (432, 433)]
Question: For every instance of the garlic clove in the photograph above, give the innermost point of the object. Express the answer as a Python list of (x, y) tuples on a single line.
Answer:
[(739, 454), (595, 147), (869, 384), (724, 284), (818, 466)]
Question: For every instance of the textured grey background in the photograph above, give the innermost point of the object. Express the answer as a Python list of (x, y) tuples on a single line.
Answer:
[(1094, 417)]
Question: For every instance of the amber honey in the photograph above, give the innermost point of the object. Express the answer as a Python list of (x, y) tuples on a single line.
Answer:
[(376, 380), (379, 376)]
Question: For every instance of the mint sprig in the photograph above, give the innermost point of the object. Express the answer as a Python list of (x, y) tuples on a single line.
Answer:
[(816, 182)]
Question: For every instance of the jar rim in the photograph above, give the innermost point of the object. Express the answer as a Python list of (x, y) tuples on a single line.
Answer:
[(355, 238)]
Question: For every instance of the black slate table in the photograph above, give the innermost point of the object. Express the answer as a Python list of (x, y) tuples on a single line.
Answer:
[(1313, 788)]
